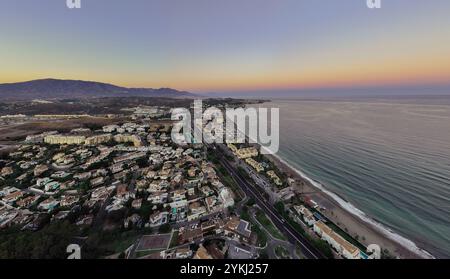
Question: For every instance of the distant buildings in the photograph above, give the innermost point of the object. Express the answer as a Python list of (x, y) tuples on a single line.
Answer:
[(49, 204), (99, 139), (110, 128), (67, 201), (40, 169), (93, 140), (28, 201), (12, 197), (121, 138), (6, 171), (39, 138), (59, 139)]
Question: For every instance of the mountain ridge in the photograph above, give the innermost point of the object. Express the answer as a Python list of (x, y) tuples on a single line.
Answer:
[(51, 88)]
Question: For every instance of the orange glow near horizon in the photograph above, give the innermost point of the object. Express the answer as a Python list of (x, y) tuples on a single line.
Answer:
[(386, 49), (288, 81)]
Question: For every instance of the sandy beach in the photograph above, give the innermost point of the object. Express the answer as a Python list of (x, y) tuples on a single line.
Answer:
[(354, 225)]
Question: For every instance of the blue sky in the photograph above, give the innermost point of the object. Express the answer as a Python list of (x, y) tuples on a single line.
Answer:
[(229, 45)]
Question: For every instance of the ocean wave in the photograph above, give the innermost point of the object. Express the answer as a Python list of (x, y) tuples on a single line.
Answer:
[(406, 243)]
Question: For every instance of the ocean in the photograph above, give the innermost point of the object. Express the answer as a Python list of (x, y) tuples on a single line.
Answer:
[(388, 159)]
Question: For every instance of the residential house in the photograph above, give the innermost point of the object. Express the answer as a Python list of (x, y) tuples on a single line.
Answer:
[(158, 218), (238, 228)]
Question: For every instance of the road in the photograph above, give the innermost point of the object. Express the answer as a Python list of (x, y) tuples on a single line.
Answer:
[(273, 242), (293, 235)]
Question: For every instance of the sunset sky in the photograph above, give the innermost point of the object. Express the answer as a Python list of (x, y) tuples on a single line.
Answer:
[(228, 45)]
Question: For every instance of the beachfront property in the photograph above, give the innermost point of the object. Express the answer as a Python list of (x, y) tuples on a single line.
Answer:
[(342, 246), (308, 216), (232, 147), (275, 178), (245, 153), (254, 164)]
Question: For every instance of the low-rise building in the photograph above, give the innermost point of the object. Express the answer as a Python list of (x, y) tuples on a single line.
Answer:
[(121, 138), (8, 190), (83, 175), (183, 253), (99, 139), (238, 228), (342, 246), (40, 169), (254, 164), (275, 178), (110, 128), (247, 152), (6, 171), (60, 139), (69, 200), (97, 181), (158, 198), (49, 204), (308, 216), (196, 210), (14, 196), (136, 204), (26, 202), (158, 219)]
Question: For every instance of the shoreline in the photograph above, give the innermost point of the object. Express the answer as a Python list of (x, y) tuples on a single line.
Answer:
[(354, 221)]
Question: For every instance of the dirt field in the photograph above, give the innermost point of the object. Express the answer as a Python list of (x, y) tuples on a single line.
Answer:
[(20, 131)]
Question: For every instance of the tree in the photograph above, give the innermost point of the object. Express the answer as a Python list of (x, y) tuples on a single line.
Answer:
[(279, 206), (48, 243), (166, 228), (251, 202), (142, 162), (324, 248)]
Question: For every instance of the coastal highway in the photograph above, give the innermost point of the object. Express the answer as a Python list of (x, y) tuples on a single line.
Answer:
[(293, 235)]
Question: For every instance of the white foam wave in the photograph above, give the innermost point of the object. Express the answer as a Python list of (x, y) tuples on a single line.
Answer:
[(408, 244)]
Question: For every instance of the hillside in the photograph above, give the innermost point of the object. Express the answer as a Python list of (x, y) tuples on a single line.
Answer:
[(60, 89)]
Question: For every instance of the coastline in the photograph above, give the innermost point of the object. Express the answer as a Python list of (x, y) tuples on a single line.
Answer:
[(350, 218)]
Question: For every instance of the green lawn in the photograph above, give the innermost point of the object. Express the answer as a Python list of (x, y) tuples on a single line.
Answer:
[(268, 225), (262, 236), (281, 252), (122, 242), (244, 214), (174, 240)]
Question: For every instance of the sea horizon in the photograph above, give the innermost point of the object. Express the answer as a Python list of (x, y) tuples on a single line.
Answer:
[(341, 143)]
